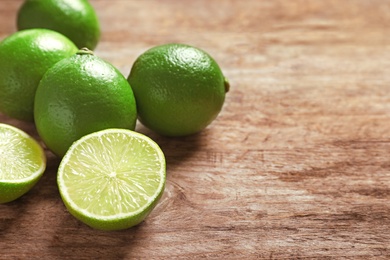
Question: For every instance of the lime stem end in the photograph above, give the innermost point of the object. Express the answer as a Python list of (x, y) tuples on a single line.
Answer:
[(226, 84), (85, 50)]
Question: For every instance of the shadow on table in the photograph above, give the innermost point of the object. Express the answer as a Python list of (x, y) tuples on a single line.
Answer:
[(19, 211), (74, 240), (177, 150), (11, 213)]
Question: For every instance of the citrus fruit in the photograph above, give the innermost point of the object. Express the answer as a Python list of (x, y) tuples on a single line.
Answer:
[(80, 95), (75, 19), (24, 58), (112, 179), (22, 163), (179, 89)]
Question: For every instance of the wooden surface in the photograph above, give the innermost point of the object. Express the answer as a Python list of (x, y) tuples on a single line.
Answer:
[(296, 166)]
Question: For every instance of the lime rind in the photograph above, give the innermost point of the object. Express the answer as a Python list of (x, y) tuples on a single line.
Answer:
[(15, 143), (179, 89), (98, 178)]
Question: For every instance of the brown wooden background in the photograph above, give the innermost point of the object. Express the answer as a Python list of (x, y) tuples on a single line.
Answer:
[(296, 166)]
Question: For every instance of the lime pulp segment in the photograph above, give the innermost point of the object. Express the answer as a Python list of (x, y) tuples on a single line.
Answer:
[(111, 174), (21, 157)]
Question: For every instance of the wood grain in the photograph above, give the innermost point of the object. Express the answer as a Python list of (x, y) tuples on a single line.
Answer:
[(295, 167)]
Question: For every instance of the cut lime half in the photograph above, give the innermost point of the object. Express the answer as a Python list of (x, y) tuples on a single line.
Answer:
[(22, 163), (112, 179)]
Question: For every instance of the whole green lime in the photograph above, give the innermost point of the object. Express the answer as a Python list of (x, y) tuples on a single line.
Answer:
[(75, 19), (24, 57), (81, 95), (179, 89)]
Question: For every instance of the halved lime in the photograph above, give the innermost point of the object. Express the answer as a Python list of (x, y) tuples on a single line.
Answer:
[(22, 163), (112, 179)]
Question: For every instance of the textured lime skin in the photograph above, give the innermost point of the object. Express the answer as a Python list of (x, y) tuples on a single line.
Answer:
[(24, 58), (80, 95), (25, 151), (75, 19), (179, 89)]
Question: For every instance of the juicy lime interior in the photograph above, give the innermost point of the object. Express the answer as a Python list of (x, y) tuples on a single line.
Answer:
[(21, 157), (112, 173)]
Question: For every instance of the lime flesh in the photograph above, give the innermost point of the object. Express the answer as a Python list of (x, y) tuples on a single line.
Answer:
[(22, 163), (112, 179)]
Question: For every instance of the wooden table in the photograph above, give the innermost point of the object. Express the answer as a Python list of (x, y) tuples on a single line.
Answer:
[(296, 166)]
